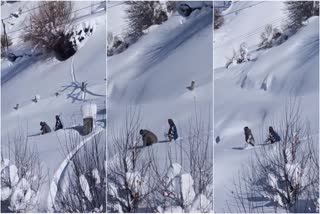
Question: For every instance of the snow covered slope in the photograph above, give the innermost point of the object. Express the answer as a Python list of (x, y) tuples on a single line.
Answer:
[(151, 77), (28, 77), (117, 24), (254, 93), (154, 72)]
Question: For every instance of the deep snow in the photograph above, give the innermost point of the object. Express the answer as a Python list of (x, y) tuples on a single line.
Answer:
[(154, 72), (288, 71), (151, 77), (31, 76)]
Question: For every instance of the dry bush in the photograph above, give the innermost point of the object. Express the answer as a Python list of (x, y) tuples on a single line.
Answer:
[(22, 175), (48, 28), (5, 42), (85, 183), (200, 153), (127, 171), (240, 56), (284, 175), (218, 19), (271, 36), (195, 157), (143, 14), (300, 11), (115, 44)]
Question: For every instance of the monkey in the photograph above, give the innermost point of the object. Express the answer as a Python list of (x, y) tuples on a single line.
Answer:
[(191, 87), (44, 128), (148, 137), (248, 136)]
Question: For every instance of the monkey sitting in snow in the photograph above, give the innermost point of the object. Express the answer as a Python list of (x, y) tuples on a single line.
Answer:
[(148, 137), (191, 87)]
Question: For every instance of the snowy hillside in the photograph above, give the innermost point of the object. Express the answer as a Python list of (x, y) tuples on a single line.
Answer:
[(255, 93), (151, 77), (57, 87)]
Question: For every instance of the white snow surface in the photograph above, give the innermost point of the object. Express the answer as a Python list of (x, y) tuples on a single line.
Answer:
[(288, 71), (89, 110), (151, 77), (117, 23), (30, 76)]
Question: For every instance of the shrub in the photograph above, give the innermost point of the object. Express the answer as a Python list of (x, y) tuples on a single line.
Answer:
[(48, 28), (171, 6), (271, 36), (86, 178), (21, 176), (218, 19), (286, 174), (115, 45), (153, 13), (5, 41), (300, 11), (138, 180), (239, 57)]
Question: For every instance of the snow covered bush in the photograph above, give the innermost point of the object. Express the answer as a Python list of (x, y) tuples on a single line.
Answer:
[(218, 19), (187, 183), (271, 36), (143, 14), (138, 181), (300, 11), (171, 6), (5, 41), (84, 187), (21, 176), (128, 182), (200, 153), (48, 28), (177, 191), (115, 44), (243, 53), (286, 173), (240, 56)]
